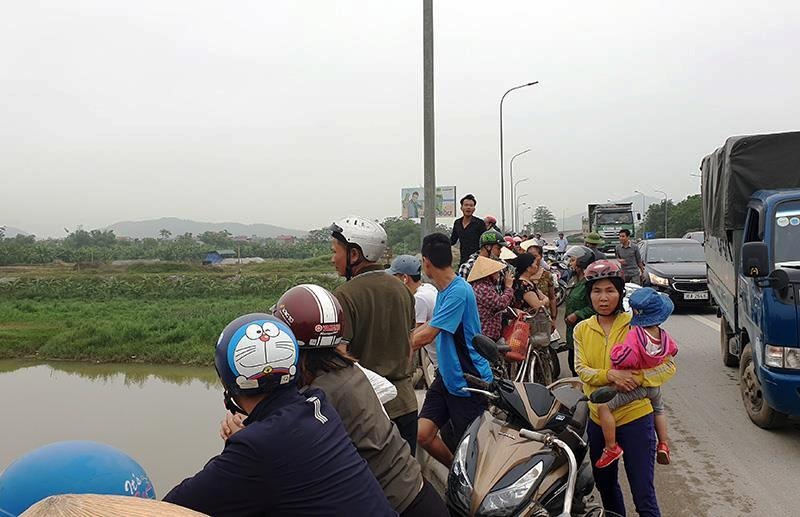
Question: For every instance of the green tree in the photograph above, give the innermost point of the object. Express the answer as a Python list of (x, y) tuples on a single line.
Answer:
[(654, 219), (543, 221), (404, 235), (164, 234), (685, 217)]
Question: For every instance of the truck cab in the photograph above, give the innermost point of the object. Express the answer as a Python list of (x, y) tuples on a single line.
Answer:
[(768, 315), (608, 219)]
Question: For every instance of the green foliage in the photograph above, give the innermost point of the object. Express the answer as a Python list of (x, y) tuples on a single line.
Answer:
[(543, 221), (404, 235), (164, 312), (681, 218)]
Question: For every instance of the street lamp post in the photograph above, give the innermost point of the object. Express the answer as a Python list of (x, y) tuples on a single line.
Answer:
[(641, 223), (513, 209), (502, 158), (524, 206), (513, 186), (515, 206), (665, 211), (530, 219)]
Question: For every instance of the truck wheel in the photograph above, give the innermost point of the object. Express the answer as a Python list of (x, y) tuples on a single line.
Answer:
[(757, 408), (728, 359)]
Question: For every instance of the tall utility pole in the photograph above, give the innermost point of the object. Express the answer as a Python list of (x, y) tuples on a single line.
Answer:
[(502, 158), (429, 221), (511, 167)]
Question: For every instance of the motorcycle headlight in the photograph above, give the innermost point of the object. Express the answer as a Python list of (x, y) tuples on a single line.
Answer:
[(460, 484), (503, 502), (657, 280)]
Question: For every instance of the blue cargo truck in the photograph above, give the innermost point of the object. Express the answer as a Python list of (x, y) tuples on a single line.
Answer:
[(751, 217)]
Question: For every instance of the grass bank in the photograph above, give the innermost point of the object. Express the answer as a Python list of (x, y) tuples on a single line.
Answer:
[(156, 313)]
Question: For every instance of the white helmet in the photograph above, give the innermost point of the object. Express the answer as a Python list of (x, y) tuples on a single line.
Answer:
[(367, 235)]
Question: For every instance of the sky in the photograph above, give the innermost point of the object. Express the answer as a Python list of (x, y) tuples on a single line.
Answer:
[(297, 113)]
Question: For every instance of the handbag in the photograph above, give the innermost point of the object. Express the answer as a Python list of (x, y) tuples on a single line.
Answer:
[(516, 335)]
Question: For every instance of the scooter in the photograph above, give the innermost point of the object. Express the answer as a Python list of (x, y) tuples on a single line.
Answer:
[(525, 454)]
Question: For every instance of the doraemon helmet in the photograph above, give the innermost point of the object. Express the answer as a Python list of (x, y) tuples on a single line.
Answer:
[(255, 354)]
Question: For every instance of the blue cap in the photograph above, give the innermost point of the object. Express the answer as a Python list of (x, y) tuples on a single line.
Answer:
[(405, 265), (652, 307), (74, 467)]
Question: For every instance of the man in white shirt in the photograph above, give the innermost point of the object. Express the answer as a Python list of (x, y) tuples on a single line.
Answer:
[(561, 243), (409, 270)]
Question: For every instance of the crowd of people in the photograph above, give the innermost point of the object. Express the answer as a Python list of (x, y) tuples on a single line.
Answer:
[(322, 417)]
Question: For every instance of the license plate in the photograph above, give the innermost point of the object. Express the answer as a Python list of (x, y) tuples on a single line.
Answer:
[(702, 295)]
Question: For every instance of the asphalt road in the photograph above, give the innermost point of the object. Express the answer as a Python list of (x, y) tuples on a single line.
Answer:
[(722, 464)]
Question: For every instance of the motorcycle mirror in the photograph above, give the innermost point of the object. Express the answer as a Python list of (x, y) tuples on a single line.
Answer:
[(486, 347), (603, 395)]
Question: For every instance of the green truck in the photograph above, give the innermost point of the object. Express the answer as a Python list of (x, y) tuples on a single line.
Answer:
[(608, 219)]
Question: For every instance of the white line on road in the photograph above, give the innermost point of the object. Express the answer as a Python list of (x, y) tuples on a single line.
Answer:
[(704, 321)]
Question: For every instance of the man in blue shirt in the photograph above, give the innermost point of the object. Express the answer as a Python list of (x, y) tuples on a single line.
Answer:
[(455, 322)]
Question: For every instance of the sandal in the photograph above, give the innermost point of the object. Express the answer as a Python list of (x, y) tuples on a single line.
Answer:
[(609, 456), (662, 453)]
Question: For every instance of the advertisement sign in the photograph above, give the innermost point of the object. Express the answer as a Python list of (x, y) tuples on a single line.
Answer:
[(413, 201)]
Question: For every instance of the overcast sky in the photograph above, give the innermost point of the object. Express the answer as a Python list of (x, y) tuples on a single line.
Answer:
[(296, 113)]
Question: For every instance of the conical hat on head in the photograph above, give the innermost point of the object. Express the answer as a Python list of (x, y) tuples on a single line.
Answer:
[(527, 244), (484, 267), (507, 254), (91, 505)]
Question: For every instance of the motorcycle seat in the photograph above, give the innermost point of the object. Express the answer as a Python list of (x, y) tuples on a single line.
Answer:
[(581, 416)]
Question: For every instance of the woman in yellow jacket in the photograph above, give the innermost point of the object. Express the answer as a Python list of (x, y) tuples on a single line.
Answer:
[(594, 339)]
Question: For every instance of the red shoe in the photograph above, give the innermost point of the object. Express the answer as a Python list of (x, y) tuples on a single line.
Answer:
[(662, 453), (609, 456)]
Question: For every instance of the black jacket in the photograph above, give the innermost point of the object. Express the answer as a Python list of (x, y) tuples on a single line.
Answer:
[(469, 238), (293, 458)]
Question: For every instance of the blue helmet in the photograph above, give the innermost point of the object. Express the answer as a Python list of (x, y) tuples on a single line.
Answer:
[(255, 353), (74, 467)]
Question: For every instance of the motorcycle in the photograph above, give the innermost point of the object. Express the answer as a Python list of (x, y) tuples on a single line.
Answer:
[(527, 454)]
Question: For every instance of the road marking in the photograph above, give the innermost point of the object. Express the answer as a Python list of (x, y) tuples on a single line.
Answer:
[(704, 321)]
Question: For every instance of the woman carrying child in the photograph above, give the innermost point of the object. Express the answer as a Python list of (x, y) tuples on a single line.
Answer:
[(635, 432), (646, 346)]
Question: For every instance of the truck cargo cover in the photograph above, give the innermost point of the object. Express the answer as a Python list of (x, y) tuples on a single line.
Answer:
[(740, 167)]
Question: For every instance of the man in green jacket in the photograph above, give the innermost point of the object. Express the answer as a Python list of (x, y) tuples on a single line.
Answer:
[(577, 305)]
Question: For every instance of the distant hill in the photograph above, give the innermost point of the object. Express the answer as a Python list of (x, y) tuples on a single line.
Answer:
[(13, 232), (152, 227), (574, 222)]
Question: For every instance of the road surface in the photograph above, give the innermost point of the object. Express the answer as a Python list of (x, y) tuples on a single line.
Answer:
[(722, 464)]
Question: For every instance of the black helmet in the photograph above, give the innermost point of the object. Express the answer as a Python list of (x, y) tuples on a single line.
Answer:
[(583, 256)]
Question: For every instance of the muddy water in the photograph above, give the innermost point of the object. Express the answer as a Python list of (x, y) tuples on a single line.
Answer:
[(165, 417)]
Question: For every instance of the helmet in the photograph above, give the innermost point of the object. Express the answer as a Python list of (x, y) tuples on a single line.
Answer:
[(314, 315), (594, 238), (490, 219), (491, 238), (255, 353), (606, 270), (368, 235), (583, 256), (73, 467), (601, 269)]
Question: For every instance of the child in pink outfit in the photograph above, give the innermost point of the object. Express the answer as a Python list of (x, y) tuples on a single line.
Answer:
[(646, 346)]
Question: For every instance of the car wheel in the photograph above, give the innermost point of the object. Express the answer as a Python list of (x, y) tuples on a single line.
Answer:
[(753, 397), (728, 359)]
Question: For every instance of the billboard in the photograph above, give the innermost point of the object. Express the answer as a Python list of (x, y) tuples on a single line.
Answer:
[(413, 201)]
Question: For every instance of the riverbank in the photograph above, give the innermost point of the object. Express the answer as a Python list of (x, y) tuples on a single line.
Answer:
[(166, 313)]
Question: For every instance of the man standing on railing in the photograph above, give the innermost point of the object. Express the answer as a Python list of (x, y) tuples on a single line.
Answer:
[(467, 230)]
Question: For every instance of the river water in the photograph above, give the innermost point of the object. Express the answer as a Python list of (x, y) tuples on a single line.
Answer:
[(165, 417)]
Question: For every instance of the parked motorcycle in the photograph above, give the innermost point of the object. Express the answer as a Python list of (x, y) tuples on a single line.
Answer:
[(526, 454)]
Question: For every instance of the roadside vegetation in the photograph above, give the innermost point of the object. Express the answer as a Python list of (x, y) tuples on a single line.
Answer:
[(158, 313)]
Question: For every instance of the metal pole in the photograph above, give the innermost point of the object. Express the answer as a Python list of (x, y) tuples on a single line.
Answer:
[(665, 211), (502, 159), (513, 186), (514, 193), (523, 205), (429, 204), (515, 206)]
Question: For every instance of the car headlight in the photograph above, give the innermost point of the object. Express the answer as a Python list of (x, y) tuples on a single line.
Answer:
[(503, 502), (782, 357), (462, 487), (657, 280)]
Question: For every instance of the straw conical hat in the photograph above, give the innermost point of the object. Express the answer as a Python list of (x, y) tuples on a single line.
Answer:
[(484, 267), (507, 254), (91, 505), (527, 244)]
